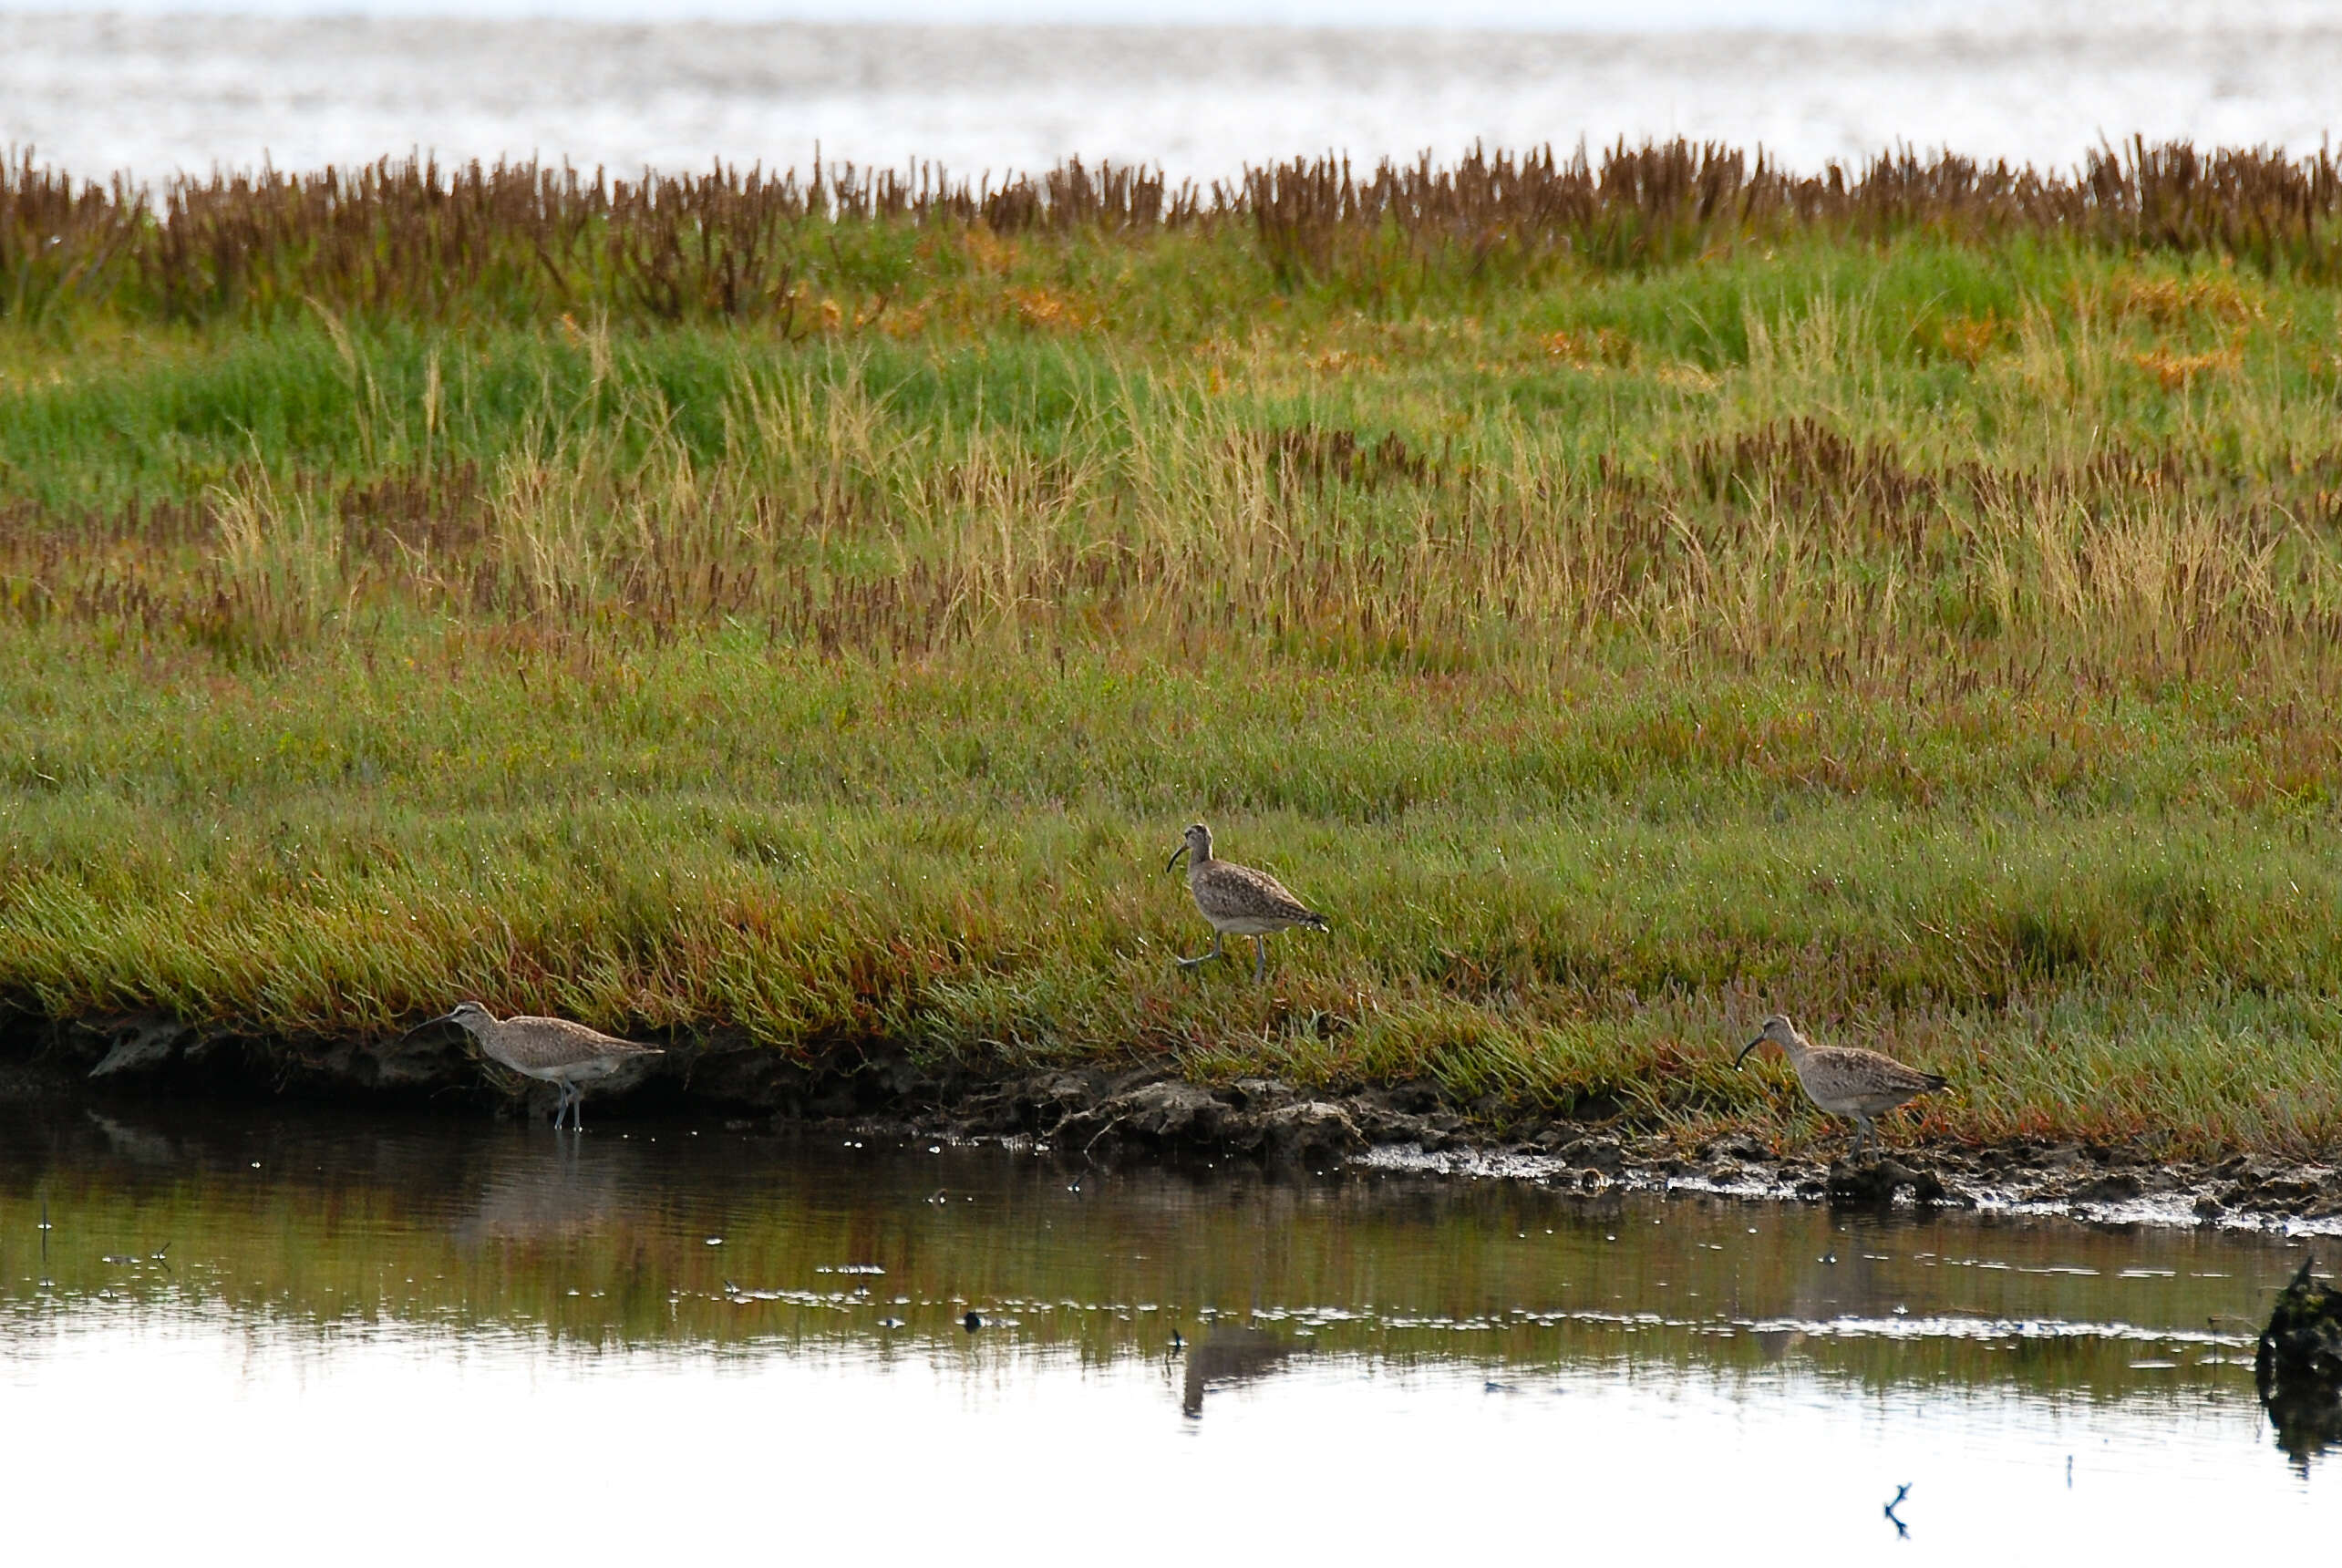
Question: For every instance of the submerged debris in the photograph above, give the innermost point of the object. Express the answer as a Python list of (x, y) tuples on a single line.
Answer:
[(1878, 1181), (2298, 1366)]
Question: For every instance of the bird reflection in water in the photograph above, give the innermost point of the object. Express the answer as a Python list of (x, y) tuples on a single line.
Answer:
[(1227, 1354), (535, 1193), (133, 1143)]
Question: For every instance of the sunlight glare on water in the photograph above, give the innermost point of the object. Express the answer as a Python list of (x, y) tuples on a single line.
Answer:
[(422, 1437)]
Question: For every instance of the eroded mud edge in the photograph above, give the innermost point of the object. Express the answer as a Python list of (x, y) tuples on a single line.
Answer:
[(1105, 1114)]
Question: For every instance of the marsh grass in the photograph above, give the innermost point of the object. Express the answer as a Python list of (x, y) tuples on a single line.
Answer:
[(806, 252), (1919, 613)]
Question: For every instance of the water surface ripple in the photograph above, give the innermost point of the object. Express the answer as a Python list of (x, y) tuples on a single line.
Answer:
[(2044, 83), (260, 1323)]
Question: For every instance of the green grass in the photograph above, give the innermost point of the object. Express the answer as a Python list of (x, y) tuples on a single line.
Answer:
[(1936, 636)]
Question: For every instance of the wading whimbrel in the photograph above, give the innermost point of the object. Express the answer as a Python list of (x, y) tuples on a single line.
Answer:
[(1238, 898), (554, 1049), (1845, 1080)]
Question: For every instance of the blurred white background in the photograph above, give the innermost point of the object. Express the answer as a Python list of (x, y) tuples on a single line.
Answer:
[(1202, 86)]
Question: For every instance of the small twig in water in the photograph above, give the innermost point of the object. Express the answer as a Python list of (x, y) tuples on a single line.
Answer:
[(1902, 1531), (1101, 1133)]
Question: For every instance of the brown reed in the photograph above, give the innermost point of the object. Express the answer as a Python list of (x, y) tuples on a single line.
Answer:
[(532, 241)]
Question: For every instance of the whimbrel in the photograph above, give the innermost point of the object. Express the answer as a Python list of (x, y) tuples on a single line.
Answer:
[(1845, 1080), (554, 1049), (1238, 898)]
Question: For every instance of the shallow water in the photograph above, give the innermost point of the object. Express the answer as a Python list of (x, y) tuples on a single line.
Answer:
[(2042, 82), (680, 1338)]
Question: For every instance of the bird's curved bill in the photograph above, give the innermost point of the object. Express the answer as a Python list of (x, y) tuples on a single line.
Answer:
[(442, 1018), (1743, 1057), (1175, 855)]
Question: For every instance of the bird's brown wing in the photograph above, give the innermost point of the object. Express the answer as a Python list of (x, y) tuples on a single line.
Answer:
[(1846, 1072), (1227, 891), (539, 1043)]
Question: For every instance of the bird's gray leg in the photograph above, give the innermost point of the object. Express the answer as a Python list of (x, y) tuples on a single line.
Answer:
[(1260, 959), (1204, 957), (1862, 1135), (576, 1109), (560, 1106)]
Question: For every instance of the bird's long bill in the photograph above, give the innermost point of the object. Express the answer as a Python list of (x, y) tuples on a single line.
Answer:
[(442, 1018), (1743, 1057), (1174, 860)]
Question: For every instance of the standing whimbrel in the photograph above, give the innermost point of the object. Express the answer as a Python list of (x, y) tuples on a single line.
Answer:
[(554, 1049), (1238, 898), (1845, 1080)]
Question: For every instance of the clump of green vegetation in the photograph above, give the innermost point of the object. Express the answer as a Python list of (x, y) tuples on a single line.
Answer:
[(1629, 600)]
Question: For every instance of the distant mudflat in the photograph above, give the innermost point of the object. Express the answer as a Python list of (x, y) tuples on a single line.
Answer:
[(154, 95)]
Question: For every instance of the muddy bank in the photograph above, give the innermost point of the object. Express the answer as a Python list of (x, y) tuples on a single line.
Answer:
[(1106, 1113), (1095, 1113)]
